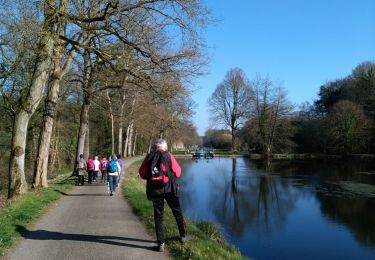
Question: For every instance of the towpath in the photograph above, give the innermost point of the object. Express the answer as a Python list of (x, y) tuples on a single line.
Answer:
[(87, 223)]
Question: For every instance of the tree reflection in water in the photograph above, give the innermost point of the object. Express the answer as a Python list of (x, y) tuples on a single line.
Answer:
[(257, 202), (250, 199)]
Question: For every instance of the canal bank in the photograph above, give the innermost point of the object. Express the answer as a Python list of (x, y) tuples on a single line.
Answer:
[(205, 241)]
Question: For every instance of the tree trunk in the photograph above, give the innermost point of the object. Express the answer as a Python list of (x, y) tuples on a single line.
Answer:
[(128, 147), (120, 137), (113, 132), (130, 143), (112, 122), (233, 141), (83, 134), (86, 150), (126, 141), (84, 121), (34, 146), (54, 147), (134, 143), (41, 162), (29, 103), (50, 110), (121, 124)]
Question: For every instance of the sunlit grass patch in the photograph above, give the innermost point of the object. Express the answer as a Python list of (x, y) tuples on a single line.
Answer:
[(21, 211)]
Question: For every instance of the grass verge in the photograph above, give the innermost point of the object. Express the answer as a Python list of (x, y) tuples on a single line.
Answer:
[(224, 152), (206, 241), (21, 211)]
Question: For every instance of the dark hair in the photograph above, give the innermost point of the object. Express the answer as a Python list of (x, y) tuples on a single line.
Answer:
[(118, 156), (81, 156), (153, 148)]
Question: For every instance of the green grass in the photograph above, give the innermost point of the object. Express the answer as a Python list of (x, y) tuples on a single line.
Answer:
[(224, 152), (206, 241), (23, 210), (179, 152), (361, 189)]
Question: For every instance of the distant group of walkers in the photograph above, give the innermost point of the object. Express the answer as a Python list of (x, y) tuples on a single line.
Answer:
[(110, 170), (161, 171)]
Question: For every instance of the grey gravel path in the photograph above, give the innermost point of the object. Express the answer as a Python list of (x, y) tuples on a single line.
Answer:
[(87, 224)]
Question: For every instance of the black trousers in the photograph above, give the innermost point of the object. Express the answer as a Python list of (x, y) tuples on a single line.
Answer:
[(90, 175), (174, 203), (80, 179), (104, 175)]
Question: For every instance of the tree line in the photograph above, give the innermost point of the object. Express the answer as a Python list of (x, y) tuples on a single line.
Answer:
[(94, 77), (258, 117)]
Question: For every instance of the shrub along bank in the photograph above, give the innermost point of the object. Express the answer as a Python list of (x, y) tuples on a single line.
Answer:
[(21, 211), (206, 241)]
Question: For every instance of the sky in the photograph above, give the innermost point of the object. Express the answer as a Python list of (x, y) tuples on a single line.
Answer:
[(301, 43)]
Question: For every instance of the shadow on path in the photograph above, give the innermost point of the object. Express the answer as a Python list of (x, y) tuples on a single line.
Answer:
[(82, 194), (50, 235)]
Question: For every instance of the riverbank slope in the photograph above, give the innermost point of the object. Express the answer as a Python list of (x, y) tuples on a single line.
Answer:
[(205, 242)]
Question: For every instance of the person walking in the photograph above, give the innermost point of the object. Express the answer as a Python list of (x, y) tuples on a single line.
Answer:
[(96, 168), (90, 168), (120, 163), (81, 169), (161, 170), (114, 170), (103, 169)]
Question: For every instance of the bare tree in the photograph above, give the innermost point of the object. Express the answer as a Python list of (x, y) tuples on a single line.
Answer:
[(60, 67), (90, 66), (121, 122), (269, 124), (110, 109), (143, 26), (29, 103), (231, 102)]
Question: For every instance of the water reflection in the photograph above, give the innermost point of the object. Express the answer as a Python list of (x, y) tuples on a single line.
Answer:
[(355, 213), (240, 197), (283, 205)]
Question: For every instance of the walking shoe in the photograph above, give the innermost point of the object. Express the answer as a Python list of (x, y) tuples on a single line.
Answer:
[(161, 247), (111, 194), (183, 239)]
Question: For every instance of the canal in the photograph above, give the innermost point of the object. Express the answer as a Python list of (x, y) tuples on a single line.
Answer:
[(285, 209)]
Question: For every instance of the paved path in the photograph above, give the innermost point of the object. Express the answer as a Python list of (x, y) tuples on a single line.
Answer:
[(87, 224)]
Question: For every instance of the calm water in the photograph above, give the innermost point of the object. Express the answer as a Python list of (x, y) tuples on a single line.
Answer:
[(285, 210)]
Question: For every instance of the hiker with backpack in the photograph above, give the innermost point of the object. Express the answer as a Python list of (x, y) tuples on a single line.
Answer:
[(81, 169), (103, 169), (96, 168), (114, 170), (90, 168), (161, 170)]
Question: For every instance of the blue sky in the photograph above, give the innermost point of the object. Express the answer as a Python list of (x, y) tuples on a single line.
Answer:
[(302, 43)]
